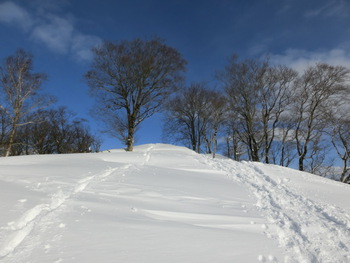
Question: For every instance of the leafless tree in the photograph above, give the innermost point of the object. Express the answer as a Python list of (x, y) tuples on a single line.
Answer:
[(20, 92), (5, 126), (340, 138), (217, 115), (283, 147), (130, 80), (316, 90), (242, 82), (187, 115), (235, 147), (55, 131), (276, 94), (258, 94)]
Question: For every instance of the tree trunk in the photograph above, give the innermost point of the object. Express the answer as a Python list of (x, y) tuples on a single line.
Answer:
[(301, 163), (215, 141), (11, 140), (131, 130), (343, 177), (130, 140), (255, 151)]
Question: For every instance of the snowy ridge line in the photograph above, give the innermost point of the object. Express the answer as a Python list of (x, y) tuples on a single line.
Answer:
[(26, 223), (308, 230)]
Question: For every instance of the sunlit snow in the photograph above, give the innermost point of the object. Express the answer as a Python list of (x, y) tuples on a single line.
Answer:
[(163, 203)]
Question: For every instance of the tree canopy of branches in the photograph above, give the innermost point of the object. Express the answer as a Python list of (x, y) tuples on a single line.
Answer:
[(258, 95), (195, 115), (340, 134), (130, 80), (20, 93), (55, 131), (317, 91)]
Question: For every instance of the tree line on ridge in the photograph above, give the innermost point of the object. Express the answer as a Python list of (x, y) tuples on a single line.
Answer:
[(256, 111)]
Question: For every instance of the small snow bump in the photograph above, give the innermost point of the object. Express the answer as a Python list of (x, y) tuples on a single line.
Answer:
[(62, 225), (47, 246), (252, 222), (134, 209), (261, 258), (272, 258), (22, 200), (264, 226)]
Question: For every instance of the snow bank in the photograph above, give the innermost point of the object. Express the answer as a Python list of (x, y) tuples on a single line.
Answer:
[(163, 203)]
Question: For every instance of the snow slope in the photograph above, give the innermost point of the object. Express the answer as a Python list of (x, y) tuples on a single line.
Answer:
[(163, 203)]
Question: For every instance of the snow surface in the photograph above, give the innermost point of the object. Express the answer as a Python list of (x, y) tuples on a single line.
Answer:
[(164, 203)]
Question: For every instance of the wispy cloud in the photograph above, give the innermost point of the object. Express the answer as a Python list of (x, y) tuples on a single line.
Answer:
[(57, 32), (334, 8), (301, 59), (11, 13)]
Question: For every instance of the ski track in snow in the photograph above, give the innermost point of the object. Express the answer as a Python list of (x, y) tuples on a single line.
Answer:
[(308, 230), (22, 227), (147, 154)]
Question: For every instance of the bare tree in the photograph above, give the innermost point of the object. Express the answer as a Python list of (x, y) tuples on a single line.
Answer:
[(316, 90), (5, 126), (276, 94), (258, 94), (20, 92), (130, 80), (234, 145), (243, 82), (55, 131), (217, 113), (283, 147), (340, 138), (188, 116)]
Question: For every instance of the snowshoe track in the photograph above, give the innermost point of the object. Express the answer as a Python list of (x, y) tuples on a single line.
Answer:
[(308, 230), (23, 226)]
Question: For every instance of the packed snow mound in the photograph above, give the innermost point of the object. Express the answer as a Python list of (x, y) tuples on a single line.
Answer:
[(163, 203)]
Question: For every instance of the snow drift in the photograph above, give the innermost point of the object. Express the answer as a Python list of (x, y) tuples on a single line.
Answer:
[(163, 203)]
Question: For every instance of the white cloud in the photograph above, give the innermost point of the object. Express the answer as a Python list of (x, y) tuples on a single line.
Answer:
[(57, 33), (301, 59), (12, 13), (81, 46), (335, 8)]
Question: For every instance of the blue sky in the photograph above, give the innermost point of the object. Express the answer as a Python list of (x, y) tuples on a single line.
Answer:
[(60, 34)]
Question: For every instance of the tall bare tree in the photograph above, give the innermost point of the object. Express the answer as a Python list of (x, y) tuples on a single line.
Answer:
[(243, 82), (275, 95), (217, 114), (55, 131), (130, 80), (258, 94), (187, 115), (341, 142), (20, 92), (5, 126), (316, 91)]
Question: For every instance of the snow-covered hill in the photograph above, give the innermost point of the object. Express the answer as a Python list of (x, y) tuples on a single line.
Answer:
[(163, 203)]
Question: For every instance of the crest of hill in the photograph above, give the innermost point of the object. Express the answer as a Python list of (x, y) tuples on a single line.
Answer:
[(164, 203)]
